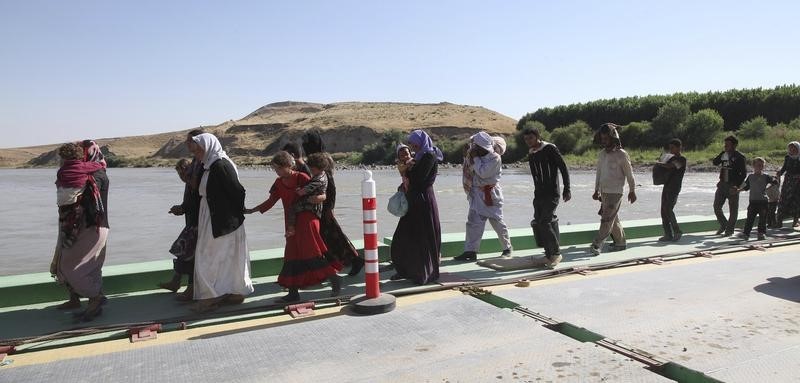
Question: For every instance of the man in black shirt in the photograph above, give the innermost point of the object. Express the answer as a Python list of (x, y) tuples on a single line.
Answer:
[(731, 175), (545, 162), (672, 187)]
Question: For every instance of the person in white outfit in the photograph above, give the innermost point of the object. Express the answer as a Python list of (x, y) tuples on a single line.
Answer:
[(222, 259), (485, 196)]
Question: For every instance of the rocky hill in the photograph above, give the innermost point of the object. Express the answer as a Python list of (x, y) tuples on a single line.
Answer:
[(345, 127)]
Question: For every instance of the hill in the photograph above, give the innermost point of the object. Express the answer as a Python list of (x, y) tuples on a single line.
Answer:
[(345, 127)]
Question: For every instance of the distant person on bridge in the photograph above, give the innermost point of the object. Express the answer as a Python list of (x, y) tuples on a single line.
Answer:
[(757, 183), (733, 170), (789, 205), (545, 162), (676, 167), (613, 169), (485, 196)]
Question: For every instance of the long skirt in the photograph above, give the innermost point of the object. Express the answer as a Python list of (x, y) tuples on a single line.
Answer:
[(417, 240), (79, 266), (304, 263), (340, 250), (789, 206), (222, 264)]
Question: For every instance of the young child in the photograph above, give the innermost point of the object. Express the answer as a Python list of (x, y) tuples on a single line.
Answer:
[(773, 195), (304, 262), (315, 187), (183, 247), (71, 180), (404, 162), (757, 184)]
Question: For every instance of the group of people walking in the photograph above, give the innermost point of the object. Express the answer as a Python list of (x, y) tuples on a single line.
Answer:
[(212, 247)]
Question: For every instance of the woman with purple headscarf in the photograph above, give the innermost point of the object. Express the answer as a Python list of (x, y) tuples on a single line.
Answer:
[(418, 238)]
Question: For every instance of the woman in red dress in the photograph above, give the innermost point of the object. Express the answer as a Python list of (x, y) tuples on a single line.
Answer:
[(304, 262)]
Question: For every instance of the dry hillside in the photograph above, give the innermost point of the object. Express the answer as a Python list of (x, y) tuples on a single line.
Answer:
[(345, 127)]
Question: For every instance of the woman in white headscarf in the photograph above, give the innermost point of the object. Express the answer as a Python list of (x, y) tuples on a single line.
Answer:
[(789, 205), (222, 260)]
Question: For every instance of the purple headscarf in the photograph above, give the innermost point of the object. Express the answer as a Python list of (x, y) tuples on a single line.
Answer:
[(423, 140)]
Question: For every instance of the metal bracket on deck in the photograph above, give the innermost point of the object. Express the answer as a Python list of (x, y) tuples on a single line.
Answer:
[(655, 260), (300, 310), (756, 247), (143, 333), (704, 254), (6, 351), (583, 270)]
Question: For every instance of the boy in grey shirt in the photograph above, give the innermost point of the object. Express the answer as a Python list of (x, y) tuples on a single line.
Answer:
[(757, 184)]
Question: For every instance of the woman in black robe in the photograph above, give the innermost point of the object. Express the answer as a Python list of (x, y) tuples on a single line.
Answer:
[(417, 241), (340, 249)]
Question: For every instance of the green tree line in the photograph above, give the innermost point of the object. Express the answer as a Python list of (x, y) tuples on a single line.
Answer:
[(780, 104)]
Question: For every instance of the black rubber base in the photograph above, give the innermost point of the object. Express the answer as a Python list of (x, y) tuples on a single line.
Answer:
[(382, 304)]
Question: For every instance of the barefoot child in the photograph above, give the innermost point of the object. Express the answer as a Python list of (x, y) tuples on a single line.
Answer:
[(304, 262), (184, 246)]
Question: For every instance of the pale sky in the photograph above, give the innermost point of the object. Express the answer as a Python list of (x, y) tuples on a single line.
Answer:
[(94, 69)]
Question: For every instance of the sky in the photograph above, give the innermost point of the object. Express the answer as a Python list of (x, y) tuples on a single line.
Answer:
[(96, 69)]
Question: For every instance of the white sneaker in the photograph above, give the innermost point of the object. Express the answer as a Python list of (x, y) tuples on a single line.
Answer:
[(595, 250)]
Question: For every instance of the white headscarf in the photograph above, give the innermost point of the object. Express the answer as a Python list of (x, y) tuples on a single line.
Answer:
[(483, 140), (499, 145), (213, 149), (797, 146)]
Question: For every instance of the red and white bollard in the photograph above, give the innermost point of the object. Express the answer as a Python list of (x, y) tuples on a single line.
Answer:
[(373, 302), (369, 206)]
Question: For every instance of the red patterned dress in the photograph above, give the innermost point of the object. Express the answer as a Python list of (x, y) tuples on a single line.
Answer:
[(304, 262)]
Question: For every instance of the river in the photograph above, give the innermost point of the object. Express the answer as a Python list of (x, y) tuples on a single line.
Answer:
[(142, 230)]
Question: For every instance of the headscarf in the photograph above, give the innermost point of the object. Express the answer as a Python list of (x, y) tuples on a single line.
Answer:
[(499, 145), (213, 149), (613, 132), (423, 140), (483, 140), (92, 152), (312, 142), (400, 147), (796, 146)]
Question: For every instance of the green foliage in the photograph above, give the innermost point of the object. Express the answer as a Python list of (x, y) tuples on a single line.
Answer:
[(383, 152), (668, 123), (701, 128), (754, 128), (780, 104), (573, 138), (635, 134), (453, 150)]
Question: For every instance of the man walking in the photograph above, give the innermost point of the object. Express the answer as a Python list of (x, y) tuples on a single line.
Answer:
[(672, 187), (732, 172), (613, 169), (545, 162)]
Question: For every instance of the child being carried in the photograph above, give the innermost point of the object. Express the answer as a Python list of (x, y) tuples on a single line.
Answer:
[(318, 163)]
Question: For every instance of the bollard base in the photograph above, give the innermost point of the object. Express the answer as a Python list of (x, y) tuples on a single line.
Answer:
[(382, 304)]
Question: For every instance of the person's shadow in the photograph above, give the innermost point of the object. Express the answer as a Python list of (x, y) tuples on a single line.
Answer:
[(785, 288)]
